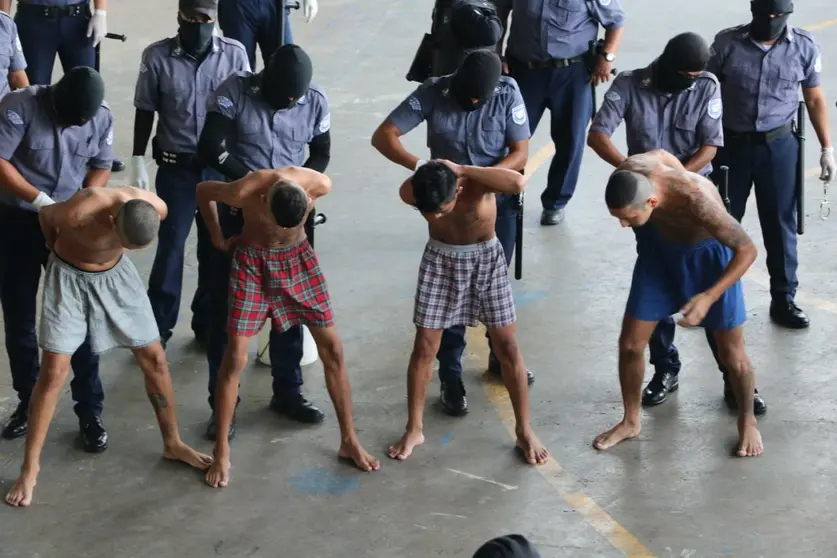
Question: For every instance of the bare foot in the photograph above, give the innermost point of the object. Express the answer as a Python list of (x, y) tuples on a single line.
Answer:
[(533, 451), (749, 440), (618, 433), (218, 475), (188, 456), (406, 444), (354, 452), (21, 493)]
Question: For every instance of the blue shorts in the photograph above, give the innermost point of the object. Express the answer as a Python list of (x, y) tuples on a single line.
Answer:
[(669, 275)]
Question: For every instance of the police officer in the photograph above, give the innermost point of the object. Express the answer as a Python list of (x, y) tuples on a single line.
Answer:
[(546, 54), (672, 104), (175, 80), (254, 22), (761, 66), (263, 121), (52, 139), (474, 117), (12, 61), (67, 28)]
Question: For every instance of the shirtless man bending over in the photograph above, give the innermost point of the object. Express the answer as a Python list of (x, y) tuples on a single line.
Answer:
[(464, 280), (275, 274), (92, 288), (701, 252)]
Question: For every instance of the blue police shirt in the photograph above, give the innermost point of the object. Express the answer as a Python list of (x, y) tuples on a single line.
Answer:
[(265, 138), (760, 85), (52, 159), (480, 137), (544, 29), (11, 53), (177, 87), (679, 123)]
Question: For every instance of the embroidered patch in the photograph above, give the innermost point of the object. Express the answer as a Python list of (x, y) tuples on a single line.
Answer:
[(224, 102), (715, 109), (605, 3), (17, 44), (109, 139), (818, 64), (415, 104), (325, 124), (14, 118), (519, 114), (613, 96), (143, 68)]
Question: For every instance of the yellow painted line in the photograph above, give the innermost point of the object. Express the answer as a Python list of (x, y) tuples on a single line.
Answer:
[(820, 25), (560, 480), (539, 158)]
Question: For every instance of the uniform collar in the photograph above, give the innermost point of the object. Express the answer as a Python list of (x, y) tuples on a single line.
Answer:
[(177, 50)]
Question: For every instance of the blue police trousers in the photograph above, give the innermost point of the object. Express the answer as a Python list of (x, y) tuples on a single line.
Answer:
[(254, 22), (23, 253), (453, 338), (176, 186), (567, 93), (42, 38), (285, 348), (772, 168)]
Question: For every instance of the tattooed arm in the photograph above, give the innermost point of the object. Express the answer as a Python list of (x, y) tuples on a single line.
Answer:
[(711, 215)]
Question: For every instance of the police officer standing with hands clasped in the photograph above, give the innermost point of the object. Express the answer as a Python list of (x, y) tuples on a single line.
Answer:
[(547, 54), (675, 105), (761, 66), (254, 122), (474, 117), (176, 77), (52, 139)]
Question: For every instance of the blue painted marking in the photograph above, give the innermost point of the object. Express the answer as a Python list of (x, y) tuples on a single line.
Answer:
[(445, 439), (524, 298), (323, 481)]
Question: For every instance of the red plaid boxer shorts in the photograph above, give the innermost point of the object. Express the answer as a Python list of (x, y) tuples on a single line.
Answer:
[(463, 285), (285, 284)]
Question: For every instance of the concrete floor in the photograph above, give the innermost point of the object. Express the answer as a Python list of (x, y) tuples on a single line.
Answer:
[(673, 493)]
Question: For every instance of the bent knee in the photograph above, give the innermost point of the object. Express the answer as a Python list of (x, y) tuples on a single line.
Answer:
[(632, 347), (735, 360), (331, 351), (505, 347), (426, 344)]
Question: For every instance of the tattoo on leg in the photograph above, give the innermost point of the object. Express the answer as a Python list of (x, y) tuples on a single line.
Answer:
[(158, 401)]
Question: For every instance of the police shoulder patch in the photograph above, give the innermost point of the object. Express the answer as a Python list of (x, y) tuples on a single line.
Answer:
[(143, 68), (325, 124), (714, 109), (14, 118), (18, 46), (415, 104), (613, 96), (224, 102), (818, 64), (519, 114), (605, 3), (109, 138)]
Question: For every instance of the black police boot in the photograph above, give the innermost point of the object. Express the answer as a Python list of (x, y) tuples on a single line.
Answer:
[(453, 398), (759, 406), (296, 407), (17, 424), (94, 437), (787, 314), (657, 390), (552, 216), (117, 166), (494, 368), (212, 429)]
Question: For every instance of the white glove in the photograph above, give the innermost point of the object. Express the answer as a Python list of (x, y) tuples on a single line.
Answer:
[(139, 172), (98, 26), (42, 200), (310, 9), (828, 165)]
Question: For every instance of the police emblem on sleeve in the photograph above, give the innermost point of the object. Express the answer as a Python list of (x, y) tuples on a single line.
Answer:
[(224, 102), (18, 46), (613, 96), (14, 118), (325, 124), (818, 64), (415, 104), (519, 114), (143, 68), (715, 109), (605, 3), (109, 139)]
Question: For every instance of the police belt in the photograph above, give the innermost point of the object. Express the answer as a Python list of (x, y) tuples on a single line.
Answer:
[(178, 159), (759, 137), (73, 10), (549, 63)]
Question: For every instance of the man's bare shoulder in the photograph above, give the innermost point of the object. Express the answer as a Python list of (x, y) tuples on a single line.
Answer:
[(703, 202)]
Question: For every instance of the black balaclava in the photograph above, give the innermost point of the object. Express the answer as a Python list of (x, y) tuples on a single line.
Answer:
[(77, 96), (195, 37), (476, 78), (766, 28), (287, 77), (687, 52), (510, 546)]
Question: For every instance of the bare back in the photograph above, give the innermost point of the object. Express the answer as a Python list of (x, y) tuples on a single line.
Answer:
[(260, 228), (471, 220), (91, 247)]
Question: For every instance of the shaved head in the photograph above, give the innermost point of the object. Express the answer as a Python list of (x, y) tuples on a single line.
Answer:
[(288, 203), (137, 223), (627, 189)]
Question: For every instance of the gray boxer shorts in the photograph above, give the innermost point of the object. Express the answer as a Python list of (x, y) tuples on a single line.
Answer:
[(111, 307)]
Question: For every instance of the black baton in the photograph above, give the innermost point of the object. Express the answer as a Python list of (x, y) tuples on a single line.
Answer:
[(97, 51), (282, 6), (518, 239), (800, 169), (725, 187)]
